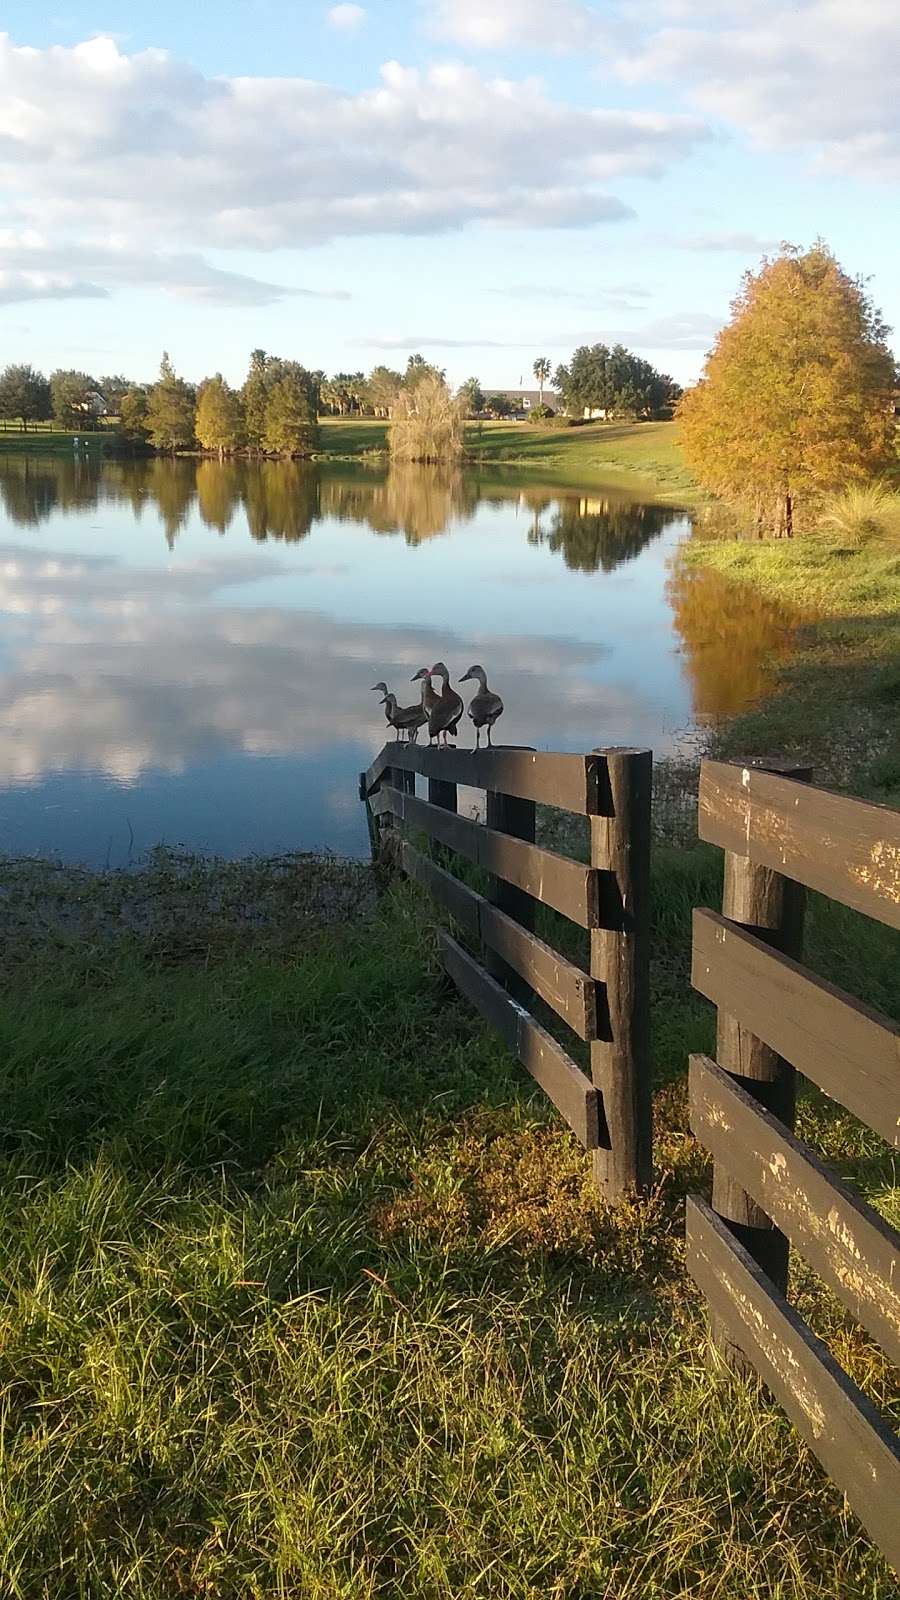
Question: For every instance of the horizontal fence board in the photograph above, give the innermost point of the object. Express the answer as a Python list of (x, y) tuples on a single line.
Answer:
[(845, 848), (838, 1422), (572, 782), (562, 985), (852, 1248), (849, 1050), (561, 1079), (567, 886)]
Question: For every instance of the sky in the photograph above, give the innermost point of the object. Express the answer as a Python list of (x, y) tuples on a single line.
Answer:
[(484, 181)]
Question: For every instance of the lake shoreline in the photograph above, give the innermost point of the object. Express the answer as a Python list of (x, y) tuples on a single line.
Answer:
[(641, 457), (834, 702)]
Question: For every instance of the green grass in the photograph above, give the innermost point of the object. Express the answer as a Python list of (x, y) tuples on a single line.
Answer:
[(306, 1292), (644, 457), (836, 700), (53, 441)]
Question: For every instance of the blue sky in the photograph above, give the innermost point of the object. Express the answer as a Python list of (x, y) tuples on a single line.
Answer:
[(485, 182)]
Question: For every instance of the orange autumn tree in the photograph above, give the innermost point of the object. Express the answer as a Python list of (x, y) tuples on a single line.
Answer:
[(795, 397)]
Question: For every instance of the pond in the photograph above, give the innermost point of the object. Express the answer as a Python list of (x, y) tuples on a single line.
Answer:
[(188, 646)]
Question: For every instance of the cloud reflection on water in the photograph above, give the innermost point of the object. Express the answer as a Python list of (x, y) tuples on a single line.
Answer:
[(119, 662)]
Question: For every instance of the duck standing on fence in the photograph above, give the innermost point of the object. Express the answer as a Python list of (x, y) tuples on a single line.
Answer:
[(382, 688), (406, 719), (429, 698), (485, 707), (443, 719)]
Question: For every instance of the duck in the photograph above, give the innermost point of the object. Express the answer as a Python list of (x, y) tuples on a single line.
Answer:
[(429, 698), (382, 688), (405, 719), (485, 707), (444, 717)]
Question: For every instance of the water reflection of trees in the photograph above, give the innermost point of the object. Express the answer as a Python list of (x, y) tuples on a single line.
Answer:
[(282, 500), (732, 637), (419, 502), (594, 533)]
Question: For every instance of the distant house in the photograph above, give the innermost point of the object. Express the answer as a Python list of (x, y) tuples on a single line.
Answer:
[(521, 401), (93, 404)]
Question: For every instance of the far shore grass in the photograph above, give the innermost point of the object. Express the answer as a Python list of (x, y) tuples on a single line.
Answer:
[(642, 457)]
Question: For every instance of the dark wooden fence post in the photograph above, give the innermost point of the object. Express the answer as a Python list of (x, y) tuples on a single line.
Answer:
[(507, 814), (620, 961), (443, 794), (772, 907)]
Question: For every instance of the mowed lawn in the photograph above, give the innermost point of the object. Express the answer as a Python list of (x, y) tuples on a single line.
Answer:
[(306, 1291), (643, 456)]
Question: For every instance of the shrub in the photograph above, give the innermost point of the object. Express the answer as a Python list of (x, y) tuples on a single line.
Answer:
[(428, 423), (860, 514), (541, 413)]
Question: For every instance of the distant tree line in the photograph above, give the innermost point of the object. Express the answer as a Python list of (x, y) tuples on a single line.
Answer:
[(276, 409), (611, 381)]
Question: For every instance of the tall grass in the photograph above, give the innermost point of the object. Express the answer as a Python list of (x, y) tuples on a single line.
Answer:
[(305, 1291), (860, 514)]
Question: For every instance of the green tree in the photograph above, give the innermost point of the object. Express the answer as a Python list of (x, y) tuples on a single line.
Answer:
[(264, 374), (291, 428), (795, 396), (133, 415), (471, 397), (24, 395), (218, 420), (614, 382), (255, 398), (418, 368), (170, 410), (69, 393), (112, 387), (542, 370), (382, 390)]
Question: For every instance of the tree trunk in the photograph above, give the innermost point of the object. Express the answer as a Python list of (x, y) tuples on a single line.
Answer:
[(789, 516)]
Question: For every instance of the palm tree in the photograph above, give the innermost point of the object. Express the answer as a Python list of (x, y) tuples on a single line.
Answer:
[(542, 370)]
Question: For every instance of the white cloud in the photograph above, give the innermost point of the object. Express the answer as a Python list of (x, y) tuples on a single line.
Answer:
[(140, 158), (818, 74), (682, 330), (38, 268), (346, 18), (747, 244), (503, 24), (122, 670)]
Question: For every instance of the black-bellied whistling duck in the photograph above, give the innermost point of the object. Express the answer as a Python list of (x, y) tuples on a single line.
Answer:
[(429, 698), (382, 688), (485, 707), (406, 719), (444, 718)]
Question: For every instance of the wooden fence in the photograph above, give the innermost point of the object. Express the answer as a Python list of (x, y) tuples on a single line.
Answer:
[(782, 836), (606, 1006)]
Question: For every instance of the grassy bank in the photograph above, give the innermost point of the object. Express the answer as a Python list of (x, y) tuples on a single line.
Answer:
[(52, 441), (644, 457), (835, 701), (306, 1291)]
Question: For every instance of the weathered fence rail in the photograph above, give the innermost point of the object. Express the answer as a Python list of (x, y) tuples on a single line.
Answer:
[(771, 1190), (607, 1006)]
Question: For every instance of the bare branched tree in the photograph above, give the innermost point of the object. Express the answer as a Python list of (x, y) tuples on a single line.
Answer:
[(427, 423)]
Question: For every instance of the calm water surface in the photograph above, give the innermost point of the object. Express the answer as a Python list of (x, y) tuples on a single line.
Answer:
[(187, 648)]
